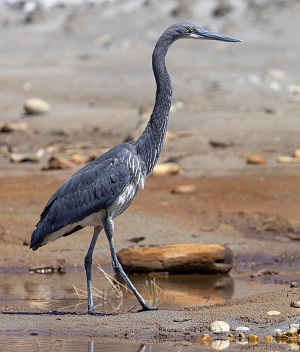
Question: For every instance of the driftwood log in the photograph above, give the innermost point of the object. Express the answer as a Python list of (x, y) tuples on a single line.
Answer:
[(177, 259)]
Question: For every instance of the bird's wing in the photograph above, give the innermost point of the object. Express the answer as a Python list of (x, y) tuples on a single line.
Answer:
[(94, 187)]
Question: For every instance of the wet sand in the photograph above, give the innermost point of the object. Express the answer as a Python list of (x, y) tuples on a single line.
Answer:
[(96, 91)]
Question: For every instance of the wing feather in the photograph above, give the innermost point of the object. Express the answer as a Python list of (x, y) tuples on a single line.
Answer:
[(96, 186)]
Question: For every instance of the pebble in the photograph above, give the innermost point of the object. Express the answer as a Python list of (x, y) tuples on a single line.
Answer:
[(184, 189), (80, 159), (297, 326), (273, 312), (35, 106), (219, 327), (295, 304), (287, 159), (292, 332), (256, 159), (170, 168), (242, 329), (220, 344), (57, 162), (8, 127), (274, 73), (32, 157), (296, 153)]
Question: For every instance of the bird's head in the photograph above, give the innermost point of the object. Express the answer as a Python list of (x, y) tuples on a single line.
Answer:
[(189, 30)]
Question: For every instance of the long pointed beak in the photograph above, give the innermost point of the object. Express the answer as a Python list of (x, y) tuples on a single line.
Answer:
[(204, 34)]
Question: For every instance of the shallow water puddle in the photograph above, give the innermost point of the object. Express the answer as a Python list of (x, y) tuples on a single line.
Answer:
[(29, 343), (67, 292)]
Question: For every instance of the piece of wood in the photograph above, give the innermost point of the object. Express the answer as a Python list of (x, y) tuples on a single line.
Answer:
[(177, 259)]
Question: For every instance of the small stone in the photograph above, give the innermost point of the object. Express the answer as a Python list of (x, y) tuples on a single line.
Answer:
[(57, 162), (294, 326), (177, 105), (287, 159), (292, 332), (296, 153), (219, 327), (170, 168), (219, 344), (79, 159), (275, 73), (242, 328), (295, 304), (35, 106), (273, 312), (295, 90), (220, 144), (103, 40), (256, 159), (253, 339), (294, 284), (183, 189), (8, 127), (31, 157)]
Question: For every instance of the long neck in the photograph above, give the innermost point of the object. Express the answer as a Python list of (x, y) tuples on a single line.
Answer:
[(150, 143)]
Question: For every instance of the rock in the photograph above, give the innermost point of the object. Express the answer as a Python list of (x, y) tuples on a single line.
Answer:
[(177, 259), (292, 332), (296, 153), (287, 159), (177, 105), (219, 327), (220, 144), (34, 106), (137, 239), (31, 157), (242, 329), (170, 168), (295, 90), (80, 159), (256, 159), (104, 40), (57, 162), (184, 189), (223, 8), (263, 272), (7, 127), (295, 304), (273, 312), (274, 73)]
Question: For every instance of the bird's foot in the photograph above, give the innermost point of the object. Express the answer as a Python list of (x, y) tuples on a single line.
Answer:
[(145, 308), (93, 312)]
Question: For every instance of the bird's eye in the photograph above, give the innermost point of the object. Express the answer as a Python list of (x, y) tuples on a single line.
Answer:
[(191, 29)]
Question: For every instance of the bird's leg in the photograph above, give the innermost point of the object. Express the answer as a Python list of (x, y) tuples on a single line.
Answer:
[(108, 225), (88, 269)]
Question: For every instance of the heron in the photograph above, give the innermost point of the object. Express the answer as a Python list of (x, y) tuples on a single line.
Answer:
[(103, 189)]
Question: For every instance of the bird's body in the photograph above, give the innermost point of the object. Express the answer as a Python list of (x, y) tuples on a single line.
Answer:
[(104, 188)]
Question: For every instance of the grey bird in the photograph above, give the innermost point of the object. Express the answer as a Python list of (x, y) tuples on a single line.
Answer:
[(104, 188)]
